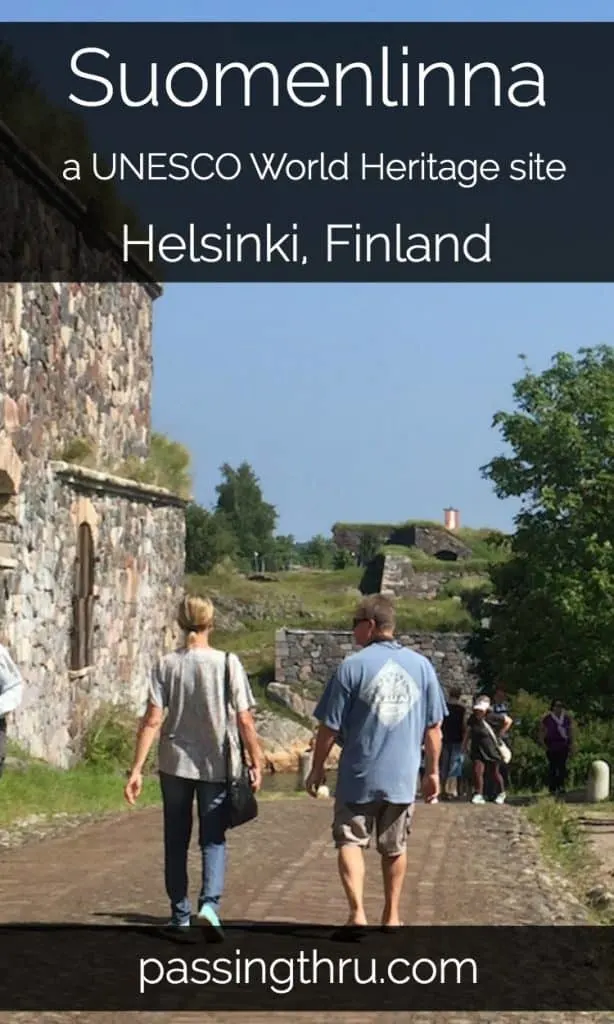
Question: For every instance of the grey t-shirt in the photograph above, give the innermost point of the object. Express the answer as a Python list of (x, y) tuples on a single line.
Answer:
[(190, 683)]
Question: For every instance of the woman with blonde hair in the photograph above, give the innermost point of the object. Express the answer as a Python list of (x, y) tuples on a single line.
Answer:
[(191, 684)]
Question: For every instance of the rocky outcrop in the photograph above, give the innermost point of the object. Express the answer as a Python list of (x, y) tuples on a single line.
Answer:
[(299, 702), (282, 740)]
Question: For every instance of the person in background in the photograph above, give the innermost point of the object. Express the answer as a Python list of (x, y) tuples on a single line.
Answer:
[(484, 730), (386, 702), (500, 706), (557, 738), (453, 731), (11, 695), (189, 684)]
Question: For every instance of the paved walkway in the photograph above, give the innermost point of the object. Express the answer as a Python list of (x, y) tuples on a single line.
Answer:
[(282, 867)]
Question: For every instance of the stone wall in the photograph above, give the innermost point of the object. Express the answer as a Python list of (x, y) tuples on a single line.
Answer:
[(139, 538), (348, 535), (75, 362), (396, 576), (400, 579), (432, 540), (48, 234), (75, 358), (76, 365), (305, 660)]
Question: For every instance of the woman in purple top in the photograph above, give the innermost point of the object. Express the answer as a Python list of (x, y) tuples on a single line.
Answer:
[(557, 737)]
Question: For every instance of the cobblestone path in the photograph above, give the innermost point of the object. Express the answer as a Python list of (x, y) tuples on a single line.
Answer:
[(282, 867)]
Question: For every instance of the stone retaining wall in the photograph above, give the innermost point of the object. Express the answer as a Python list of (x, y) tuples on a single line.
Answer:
[(396, 576), (400, 579), (305, 660)]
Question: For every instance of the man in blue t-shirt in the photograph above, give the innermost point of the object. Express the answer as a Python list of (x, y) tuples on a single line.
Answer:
[(382, 703)]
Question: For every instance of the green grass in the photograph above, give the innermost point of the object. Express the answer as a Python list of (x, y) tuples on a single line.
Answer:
[(309, 600), (319, 589), (428, 563), (40, 789), (462, 586), (561, 838), (36, 788), (565, 845)]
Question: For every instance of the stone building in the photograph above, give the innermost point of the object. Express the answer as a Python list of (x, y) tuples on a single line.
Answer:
[(432, 539), (91, 563)]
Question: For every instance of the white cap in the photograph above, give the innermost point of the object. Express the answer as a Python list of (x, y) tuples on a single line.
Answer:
[(481, 704)]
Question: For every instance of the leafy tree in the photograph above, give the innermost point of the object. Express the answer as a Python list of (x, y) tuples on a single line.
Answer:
[(209, 539), (249, 516), (342, 558), (368, 547), (552, 631), (318, 553), (283, 553)]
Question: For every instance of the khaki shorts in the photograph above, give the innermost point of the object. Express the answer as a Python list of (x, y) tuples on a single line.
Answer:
[(353, 825)]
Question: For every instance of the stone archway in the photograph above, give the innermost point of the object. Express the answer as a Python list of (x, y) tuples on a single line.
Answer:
[(446, 555)]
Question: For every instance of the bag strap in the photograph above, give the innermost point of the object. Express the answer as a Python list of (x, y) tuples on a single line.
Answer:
[(228, 706), (493, 733), (560, 724)]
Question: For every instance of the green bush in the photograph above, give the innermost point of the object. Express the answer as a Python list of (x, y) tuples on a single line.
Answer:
[(470, 584), (529, 767), (471, 590), (342, 558), (527, 711), (167, 465), (594, 739), (110, 739), (79, 450)]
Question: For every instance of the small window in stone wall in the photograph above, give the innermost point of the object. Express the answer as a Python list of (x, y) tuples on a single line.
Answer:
[(83, 602)]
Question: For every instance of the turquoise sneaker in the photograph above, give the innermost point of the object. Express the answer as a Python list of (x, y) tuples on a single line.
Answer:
[(208, 917)]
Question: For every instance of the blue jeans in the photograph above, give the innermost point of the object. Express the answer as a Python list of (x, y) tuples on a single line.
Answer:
[(178, 801)]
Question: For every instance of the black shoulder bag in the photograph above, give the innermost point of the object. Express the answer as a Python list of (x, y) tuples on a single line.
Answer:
[(241, 804)]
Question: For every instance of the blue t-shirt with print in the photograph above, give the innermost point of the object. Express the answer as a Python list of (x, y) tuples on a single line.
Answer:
[(380, 701)]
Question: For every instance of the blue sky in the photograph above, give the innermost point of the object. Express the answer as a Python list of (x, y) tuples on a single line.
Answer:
[(369, 403)]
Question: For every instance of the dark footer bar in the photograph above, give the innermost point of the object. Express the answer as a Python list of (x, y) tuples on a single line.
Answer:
[(302, 967)]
